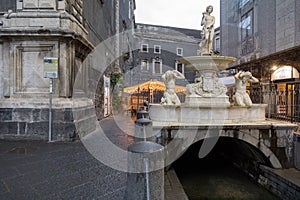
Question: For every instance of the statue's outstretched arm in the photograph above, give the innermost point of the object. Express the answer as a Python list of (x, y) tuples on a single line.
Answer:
[(253, 79)]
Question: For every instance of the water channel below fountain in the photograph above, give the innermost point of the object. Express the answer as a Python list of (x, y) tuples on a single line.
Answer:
[(216, 176)]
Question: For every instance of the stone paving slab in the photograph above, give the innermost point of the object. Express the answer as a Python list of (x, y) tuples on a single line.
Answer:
[(41, 170)]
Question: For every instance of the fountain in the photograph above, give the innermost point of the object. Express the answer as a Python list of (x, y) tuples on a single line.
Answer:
[(206, 101), (207, 115), (207, 111)]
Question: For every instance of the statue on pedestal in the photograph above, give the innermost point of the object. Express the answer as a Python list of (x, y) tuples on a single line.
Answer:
[(207, 34), (170, 97), (241, 97)]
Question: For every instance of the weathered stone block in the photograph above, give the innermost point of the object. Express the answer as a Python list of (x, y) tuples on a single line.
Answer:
[(30, 4), (38, 129), (22, 114), (5, 114), (9, 128), (36, 114), (44, 114), (21, 128), (68, 115), (57, 115), (50, 4)]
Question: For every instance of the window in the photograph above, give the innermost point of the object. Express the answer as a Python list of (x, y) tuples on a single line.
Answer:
[(179, 51), (247, 33), (217, 43), (242, 3), (157, 66), (144, 65), (157, 49), (179, 67), (247, 25), (144, 48)]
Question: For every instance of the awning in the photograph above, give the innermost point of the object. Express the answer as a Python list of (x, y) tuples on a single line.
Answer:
[(290, 56), (153, 85)]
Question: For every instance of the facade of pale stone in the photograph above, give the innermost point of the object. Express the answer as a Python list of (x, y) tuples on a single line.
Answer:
[(31, 30)]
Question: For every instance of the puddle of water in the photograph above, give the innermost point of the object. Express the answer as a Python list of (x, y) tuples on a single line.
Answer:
[(22, 150)]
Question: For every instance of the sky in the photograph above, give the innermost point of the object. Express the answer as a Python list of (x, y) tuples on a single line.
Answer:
[(176, 13)]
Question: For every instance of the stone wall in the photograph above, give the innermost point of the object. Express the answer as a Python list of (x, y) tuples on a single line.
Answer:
[(285, 24), (275, 27), (277, 184), (296, 151), (30, 120), (26, 38)]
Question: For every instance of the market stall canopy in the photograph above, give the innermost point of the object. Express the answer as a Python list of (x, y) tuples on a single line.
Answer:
[(151, 85)]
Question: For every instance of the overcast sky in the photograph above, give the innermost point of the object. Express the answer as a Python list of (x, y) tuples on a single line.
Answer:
[(184, 14)]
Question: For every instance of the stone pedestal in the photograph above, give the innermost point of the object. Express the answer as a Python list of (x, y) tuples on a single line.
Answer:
[(211, 102), (207, 91), (189, 114), (167, 113)]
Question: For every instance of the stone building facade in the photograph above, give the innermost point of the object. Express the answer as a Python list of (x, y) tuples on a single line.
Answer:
[(157, 49), (69, 30), (251, 29), (264, 36)]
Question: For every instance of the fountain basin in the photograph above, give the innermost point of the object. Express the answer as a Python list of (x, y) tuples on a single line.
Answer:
[(195, 114), (198, 63)]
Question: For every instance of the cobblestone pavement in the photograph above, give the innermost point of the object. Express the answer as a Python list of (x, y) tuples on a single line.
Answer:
[(40, 170)]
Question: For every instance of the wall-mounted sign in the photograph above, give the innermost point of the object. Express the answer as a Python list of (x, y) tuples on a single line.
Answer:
[(50, 67), (286, 72)]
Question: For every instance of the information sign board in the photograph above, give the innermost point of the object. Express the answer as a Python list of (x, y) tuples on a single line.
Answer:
[(50, 67)]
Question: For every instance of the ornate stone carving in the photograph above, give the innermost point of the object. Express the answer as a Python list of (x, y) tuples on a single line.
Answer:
[(207, 85)]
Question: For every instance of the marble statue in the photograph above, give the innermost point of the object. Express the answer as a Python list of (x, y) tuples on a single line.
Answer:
[(241, 97), (170, 97), (207, 34)]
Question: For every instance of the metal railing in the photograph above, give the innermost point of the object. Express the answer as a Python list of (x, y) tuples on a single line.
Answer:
[(283, 100)]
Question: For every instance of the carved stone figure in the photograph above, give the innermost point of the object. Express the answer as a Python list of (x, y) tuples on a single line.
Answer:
[(170, 97), (207, 33), (241, 97)]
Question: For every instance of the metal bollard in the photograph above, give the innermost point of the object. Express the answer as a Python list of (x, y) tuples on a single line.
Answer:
[(142, 114), (143, 129), (149, 183)]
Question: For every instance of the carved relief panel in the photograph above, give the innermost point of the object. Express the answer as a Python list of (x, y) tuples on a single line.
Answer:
[(35, 4), (29, 68)]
